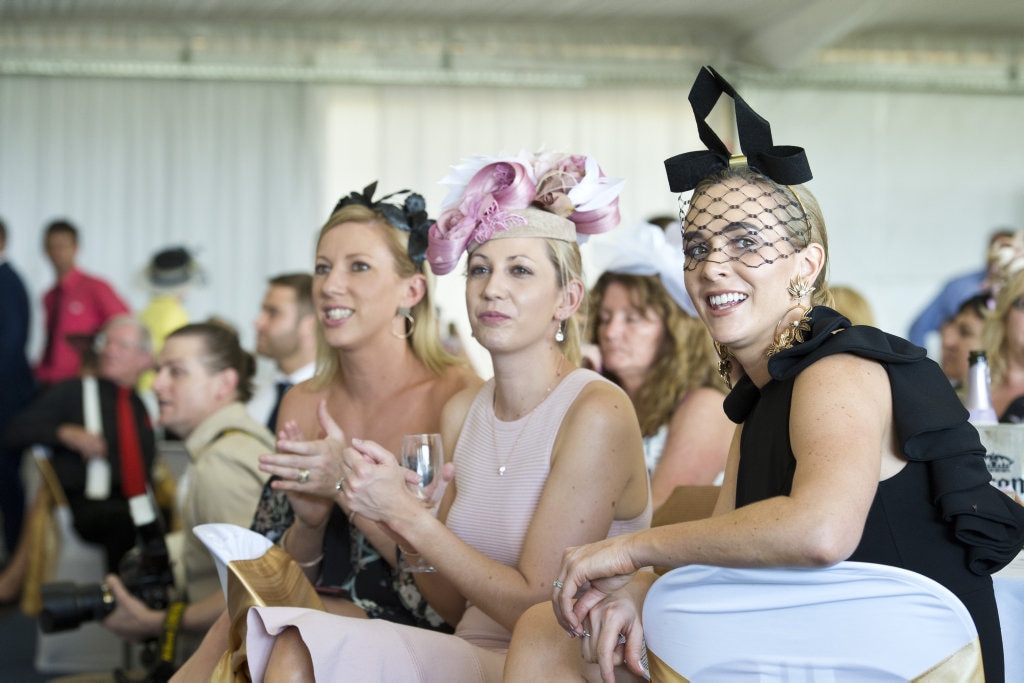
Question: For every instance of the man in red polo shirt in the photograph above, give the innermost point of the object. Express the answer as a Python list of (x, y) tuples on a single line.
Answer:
[(78, 304)]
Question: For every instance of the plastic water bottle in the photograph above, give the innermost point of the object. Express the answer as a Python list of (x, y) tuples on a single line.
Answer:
[(979, 395)]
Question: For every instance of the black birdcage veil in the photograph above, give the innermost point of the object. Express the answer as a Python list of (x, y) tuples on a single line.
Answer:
[(742, 209)]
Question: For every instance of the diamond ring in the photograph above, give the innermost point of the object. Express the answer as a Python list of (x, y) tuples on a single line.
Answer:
[(557, 584), (303, 475), (337, 484)]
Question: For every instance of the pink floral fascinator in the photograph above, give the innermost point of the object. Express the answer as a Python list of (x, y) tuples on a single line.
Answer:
[(561, 196)]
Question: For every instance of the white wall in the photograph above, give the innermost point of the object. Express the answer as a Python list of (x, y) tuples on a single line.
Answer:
[(910, 183), (228, 169)]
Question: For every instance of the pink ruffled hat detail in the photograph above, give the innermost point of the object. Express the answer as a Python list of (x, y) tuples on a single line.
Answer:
[(560, 196)]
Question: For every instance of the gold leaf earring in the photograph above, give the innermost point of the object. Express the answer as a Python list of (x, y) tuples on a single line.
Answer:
[(724, 363), (799, 287), (787, 334)]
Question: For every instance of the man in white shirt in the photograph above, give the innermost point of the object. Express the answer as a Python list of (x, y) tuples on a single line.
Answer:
[(286, 334)]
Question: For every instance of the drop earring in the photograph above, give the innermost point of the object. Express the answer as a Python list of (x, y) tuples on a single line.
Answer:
[(724, 363), (560, 333), (787, 334)]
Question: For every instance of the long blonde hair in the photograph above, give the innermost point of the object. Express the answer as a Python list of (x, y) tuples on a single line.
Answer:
[(993, 333), (424, 337)]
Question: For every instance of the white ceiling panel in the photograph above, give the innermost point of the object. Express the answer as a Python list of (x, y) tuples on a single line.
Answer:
[(948, 44)]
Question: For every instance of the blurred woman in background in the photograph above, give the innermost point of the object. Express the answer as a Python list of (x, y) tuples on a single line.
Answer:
[(1002, 338), (663, 357)]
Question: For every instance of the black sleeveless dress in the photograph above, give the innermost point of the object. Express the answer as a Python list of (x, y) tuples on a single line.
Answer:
[(939, 516)]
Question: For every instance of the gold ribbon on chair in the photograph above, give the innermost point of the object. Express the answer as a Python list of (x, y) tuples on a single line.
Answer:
[(42, 528), (964, 666), (662, 672), (270, 580)]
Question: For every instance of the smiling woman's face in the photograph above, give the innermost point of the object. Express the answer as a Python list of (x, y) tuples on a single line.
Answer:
[(740, 260), (356, 287)]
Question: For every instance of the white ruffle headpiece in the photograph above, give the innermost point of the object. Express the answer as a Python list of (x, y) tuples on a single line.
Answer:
[(642, 249)]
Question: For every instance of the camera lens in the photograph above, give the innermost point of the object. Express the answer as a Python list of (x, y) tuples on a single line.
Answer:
[(66, 605)]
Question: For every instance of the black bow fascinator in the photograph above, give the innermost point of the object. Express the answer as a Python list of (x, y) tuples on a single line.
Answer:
[(411, 216), (784, 164)]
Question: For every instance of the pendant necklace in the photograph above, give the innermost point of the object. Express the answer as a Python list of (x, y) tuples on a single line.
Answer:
[(503, 466)]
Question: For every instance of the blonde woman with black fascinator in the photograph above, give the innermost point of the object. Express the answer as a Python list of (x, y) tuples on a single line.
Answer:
[(545, 455), (381, 373), (846, 439)]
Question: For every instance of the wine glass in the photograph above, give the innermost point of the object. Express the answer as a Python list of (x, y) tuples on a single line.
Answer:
[(423, 454)]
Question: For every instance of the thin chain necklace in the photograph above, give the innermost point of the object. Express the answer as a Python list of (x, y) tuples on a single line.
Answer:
[(503, 463)]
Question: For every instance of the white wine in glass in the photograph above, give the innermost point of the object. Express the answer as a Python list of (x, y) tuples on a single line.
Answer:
[(423, 454)]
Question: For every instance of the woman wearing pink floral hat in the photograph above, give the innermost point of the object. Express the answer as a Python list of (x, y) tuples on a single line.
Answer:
[(546, 455)]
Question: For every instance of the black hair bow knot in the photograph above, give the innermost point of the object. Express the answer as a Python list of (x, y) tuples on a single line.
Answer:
[(411, 216), (785, 164)]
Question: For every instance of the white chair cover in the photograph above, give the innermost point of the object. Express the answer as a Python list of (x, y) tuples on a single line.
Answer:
[(230, 542), (1009, 586), (850, 622)]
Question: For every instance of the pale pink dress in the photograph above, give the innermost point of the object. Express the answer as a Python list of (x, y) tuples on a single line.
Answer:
[(492, 513)]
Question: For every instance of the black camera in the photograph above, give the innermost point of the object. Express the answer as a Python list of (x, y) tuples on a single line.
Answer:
[(145, 571)]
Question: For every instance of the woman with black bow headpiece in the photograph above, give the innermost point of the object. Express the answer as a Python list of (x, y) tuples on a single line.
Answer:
[(851, 445)]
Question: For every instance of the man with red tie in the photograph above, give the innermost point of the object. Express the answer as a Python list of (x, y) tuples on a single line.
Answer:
[(98, 421), (77, 304)]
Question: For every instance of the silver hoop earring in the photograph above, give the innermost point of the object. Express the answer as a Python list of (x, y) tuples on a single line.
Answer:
[(560, 333), (410, 322)]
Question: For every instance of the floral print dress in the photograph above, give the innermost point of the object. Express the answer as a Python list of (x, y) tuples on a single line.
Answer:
[(352, 566)]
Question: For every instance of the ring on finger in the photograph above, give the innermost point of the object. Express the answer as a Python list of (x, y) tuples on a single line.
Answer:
[(622, 639), (303, 475), (586, 634), (338, 484), (557, 584)]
